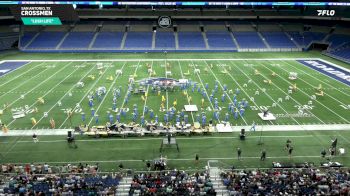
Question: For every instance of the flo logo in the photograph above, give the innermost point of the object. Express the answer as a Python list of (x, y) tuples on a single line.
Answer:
[(326, 12)]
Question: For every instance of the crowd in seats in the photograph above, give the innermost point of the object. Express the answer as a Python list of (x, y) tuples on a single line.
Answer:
[(288, 182), (171, 183), (73, 180)]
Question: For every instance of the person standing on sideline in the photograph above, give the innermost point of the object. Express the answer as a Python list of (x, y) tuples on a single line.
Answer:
[(253, 126), (290, 151), (288, 144), (35, 138), (323, 153), (239, 153), (263, 155), (196, 159)]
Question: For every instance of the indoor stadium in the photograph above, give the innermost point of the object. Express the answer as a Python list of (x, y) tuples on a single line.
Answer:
[(174, 98)]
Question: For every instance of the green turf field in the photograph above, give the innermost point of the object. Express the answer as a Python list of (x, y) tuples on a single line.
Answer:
[(55, 81)]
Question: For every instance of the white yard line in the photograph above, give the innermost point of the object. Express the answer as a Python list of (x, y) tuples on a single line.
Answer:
[(279, 105), (70, 90), (24, 82), (105, 96), (319, 79), (87, 93), (291, 97), (314, 100), (203, 86), (21, 73), (228, 94), (211, 59), (299, 78), (166, 90), (43, 82), (146, 97), (182, 75), (127, 90), (48, 92)]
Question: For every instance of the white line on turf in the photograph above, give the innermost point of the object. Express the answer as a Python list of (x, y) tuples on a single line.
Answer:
[(57, 84), (21, 73), (70, 90), (43, 82), (291, 97), (203, 86), (24, 82), (313, 86), (311, 75), (146, 97), (315, 100), (108, 91), (166, 90), (182, 76), (268, 95), (228, 96), (79, 103)]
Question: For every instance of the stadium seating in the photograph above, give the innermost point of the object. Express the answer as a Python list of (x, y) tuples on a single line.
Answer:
[(165, 40), (6, 42), (47, 40), (337, 40), (171, 183), (278, 40), (78, 40), (108, 40), (142, 40), (220, 40), (287, 182), (304, 39), (249, 40), (188, 40), (26, 38)]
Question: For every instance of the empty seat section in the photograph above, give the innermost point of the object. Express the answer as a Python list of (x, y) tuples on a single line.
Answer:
[(78, 40), (278, 40), (165, 40), (108, 40), (47, 40), (26, 37), (139, 40), (220, 39), (249, 40), (191, 40)]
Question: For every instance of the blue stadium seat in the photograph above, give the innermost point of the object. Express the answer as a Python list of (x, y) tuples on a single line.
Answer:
[(191, 40), (108, 40), (78, 40), (47, 40), (139, 40), (220, 39), (165, 40), (278, 40), (249, 40)]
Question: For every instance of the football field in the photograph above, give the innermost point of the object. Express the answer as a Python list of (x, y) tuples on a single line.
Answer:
[(47, 88)]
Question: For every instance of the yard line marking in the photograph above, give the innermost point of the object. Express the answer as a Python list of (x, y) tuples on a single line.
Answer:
[(166, 90), (105, 96), (24, 82), (41, 83), (184, 59), (92, 86), (146, 97), (70, 90), (182, 75), (48, 92), (127, 90), (181, 159), (291, 96), (279, 105), (322, 82), (315, 100), (22, 73), (206, 93), (225, 91), (158, 139)]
